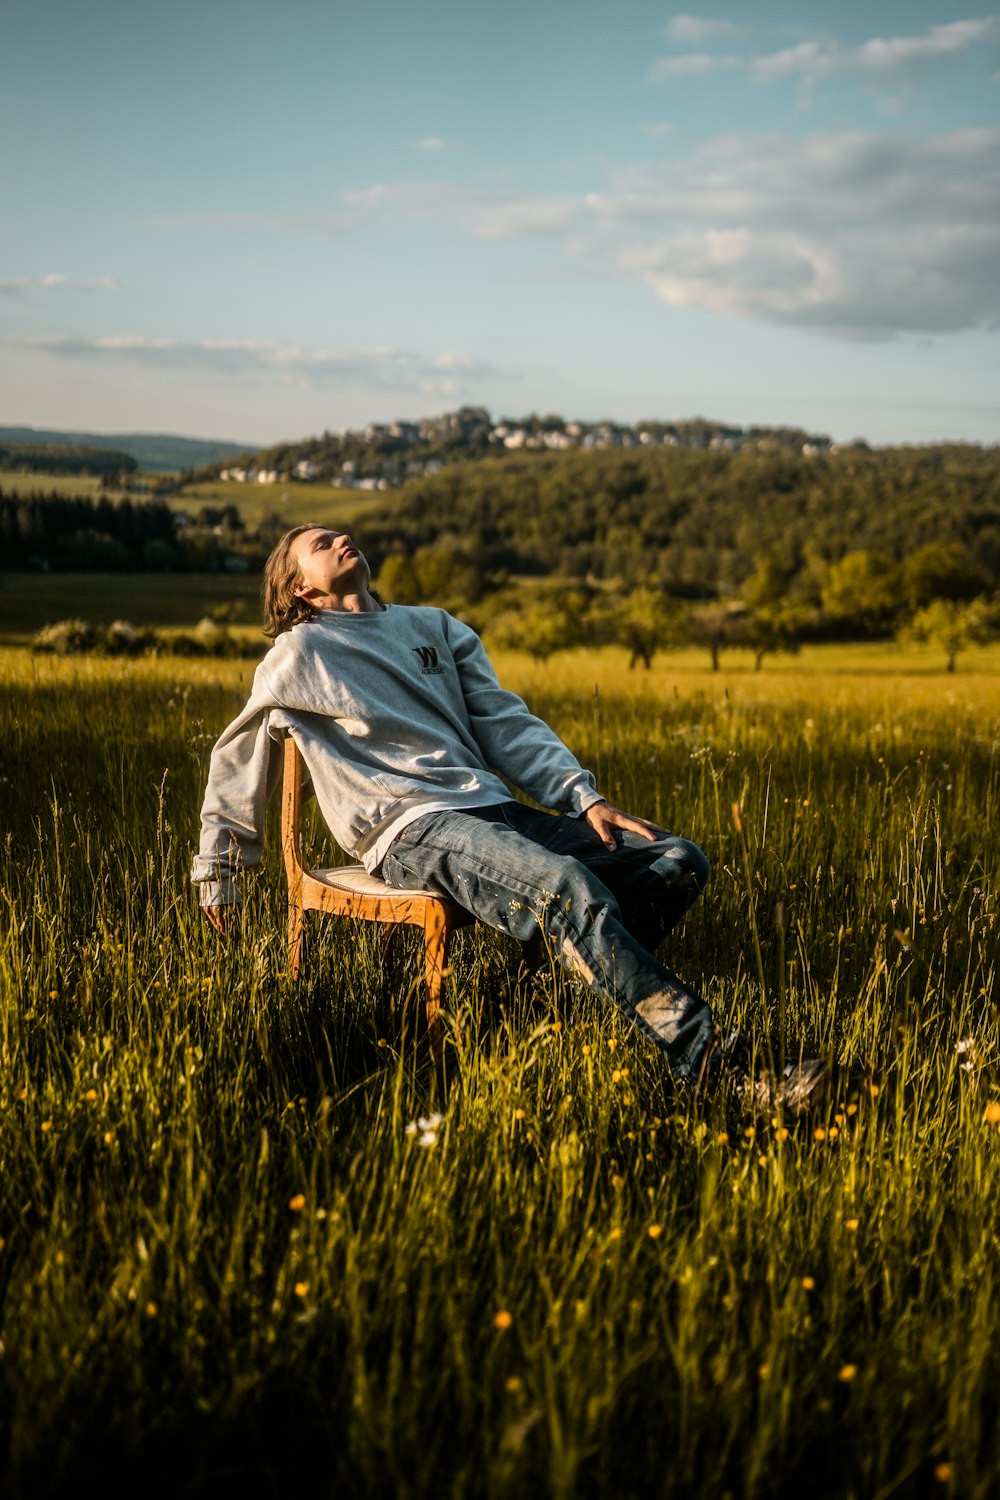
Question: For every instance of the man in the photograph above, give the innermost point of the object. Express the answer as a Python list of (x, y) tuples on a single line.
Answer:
[(406, 733)]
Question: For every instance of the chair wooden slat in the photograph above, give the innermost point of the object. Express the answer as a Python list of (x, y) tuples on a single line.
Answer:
[(349, 891)]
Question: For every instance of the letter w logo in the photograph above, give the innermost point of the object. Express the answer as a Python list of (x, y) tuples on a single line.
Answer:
[(428, 659)]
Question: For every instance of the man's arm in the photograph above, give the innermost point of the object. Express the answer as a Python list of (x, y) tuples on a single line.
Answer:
[(522, 747), (242, 774)]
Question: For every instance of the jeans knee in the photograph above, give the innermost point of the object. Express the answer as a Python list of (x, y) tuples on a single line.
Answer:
[(683, 863), (701, 868)]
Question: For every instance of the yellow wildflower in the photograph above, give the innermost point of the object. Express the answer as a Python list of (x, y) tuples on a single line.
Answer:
[(503, 1320)]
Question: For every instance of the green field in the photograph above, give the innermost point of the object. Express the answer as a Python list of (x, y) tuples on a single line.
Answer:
[(48, 484), (30, 600), (225, 1263), (293, 502)]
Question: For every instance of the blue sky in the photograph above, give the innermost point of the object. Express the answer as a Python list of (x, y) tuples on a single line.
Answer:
[(257, 221)]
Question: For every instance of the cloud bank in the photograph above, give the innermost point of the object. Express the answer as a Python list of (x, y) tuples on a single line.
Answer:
[(444, 374), (15, 286), (915, 56)]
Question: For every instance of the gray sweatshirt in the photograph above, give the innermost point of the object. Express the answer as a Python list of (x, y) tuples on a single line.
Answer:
[(398, 713)]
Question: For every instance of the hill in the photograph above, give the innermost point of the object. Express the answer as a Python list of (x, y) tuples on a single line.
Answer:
[(386, 455), (153, 452)]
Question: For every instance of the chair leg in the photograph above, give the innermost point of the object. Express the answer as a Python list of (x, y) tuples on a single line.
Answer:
[(294, 937), (436, 936)]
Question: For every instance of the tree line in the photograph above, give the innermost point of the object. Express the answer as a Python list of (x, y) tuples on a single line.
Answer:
[(67, 458), (701, 522), (751, 551), (98, 534)]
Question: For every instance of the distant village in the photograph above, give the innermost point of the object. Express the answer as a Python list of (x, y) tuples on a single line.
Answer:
[(385, 455)]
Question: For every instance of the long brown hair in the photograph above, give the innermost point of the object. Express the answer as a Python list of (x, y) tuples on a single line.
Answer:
[(283, 608)]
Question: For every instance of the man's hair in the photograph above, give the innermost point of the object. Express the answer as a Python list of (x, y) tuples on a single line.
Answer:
[(282, 606)]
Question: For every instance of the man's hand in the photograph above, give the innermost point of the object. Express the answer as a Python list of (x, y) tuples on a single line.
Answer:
[(217, 916), (604, 819)]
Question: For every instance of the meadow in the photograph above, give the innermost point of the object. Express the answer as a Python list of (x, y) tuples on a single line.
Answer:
[(231, 1255)]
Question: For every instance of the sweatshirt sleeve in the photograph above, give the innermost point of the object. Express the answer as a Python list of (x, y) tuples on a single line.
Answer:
[(242, 774), (514, 742)]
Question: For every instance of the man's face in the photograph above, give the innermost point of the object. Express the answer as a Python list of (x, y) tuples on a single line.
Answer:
[(328, 564)]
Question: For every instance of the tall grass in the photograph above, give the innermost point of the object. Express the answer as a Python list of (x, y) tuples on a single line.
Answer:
[(227, 1260)]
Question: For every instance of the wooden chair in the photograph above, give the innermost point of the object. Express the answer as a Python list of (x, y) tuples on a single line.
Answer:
[(349, 891)]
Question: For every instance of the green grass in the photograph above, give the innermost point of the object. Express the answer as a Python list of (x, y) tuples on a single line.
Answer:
[(30, 600), (693, 1309), (75, 485), (294, 503)]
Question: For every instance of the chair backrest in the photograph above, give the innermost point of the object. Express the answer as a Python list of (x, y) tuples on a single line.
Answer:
[(291, 809)]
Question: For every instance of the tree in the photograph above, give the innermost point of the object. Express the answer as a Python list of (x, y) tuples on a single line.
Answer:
[(440, 574), (716, 625), (541, 628), (951, 625), (941, 571), (645, 621), (862, 592), (773, 628)]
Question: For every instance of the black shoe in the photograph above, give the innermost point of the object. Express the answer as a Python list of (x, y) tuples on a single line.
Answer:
[(799, 1086)]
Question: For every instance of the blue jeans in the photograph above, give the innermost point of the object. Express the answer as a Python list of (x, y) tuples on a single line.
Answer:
[(601, 912)]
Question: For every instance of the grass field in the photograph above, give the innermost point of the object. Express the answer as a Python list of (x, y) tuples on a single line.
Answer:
[(293, 502), (226, 1263), (30, 600), (74, 485)]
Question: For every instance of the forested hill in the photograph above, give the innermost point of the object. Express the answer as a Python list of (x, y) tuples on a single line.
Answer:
[(53, 451), (700, 522)]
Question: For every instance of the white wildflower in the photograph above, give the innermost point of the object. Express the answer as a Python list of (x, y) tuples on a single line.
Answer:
[(425, 1128)]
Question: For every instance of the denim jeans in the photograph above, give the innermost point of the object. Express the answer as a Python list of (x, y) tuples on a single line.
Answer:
[(601, 912)]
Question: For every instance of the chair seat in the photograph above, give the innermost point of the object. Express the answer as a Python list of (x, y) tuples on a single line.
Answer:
[(356, 880), (349, 891)]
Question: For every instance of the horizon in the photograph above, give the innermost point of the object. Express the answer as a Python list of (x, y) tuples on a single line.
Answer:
[(285, 222)]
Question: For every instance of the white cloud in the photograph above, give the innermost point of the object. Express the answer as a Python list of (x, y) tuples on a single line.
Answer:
[(13, 286), (657, 129), (694, 65), (860, 233), (485, 213), (429, 143), (689, 31), (820, 58), (377, 367)]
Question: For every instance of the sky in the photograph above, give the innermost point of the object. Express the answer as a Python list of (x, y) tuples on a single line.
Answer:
[(258, 221)]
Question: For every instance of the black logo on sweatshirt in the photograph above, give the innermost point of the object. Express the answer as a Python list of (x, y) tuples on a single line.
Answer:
[(428, 660)]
